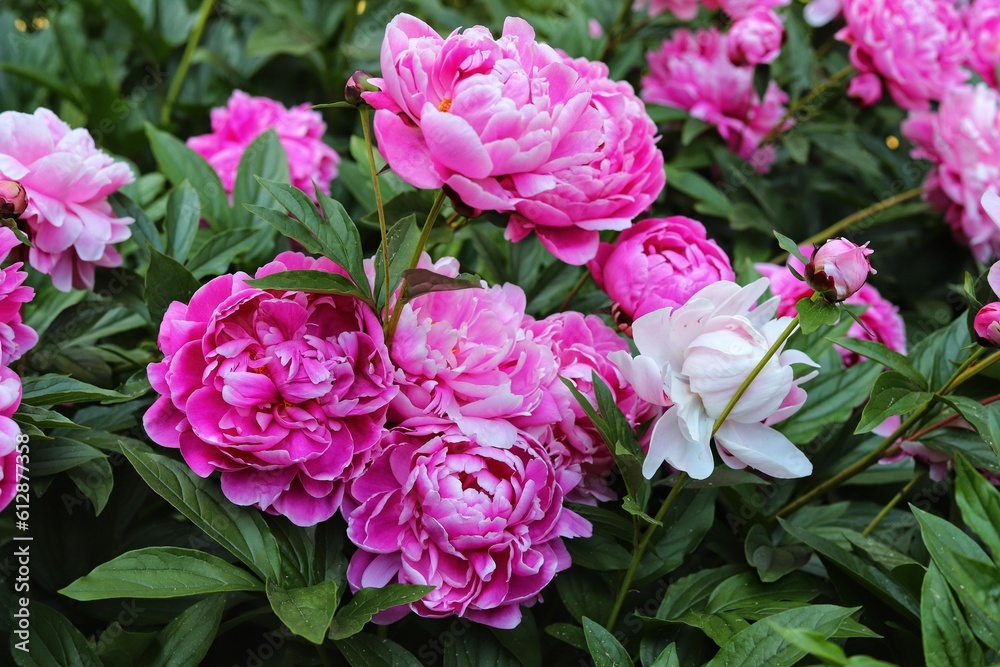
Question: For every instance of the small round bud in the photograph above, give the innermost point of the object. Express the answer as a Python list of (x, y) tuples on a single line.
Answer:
[(987, 325), (13, 199), (839, 269), (357, 84)]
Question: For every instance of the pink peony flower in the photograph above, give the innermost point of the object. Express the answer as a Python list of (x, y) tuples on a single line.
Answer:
[(987, 325), (962, 139), (581, 346), (244, 118), (692, 71), (511, 125), (739, 9), (13, 199), (464, 356), (685, 10), (982, 20), (696, 357), (755, 38), (991, 204), (10, 462), (839, 268), (285, 393), (482, 523), (658, 262), (866, 88), (16, 338), (938, 462), (917, 46), (67, 179), (880, 316)]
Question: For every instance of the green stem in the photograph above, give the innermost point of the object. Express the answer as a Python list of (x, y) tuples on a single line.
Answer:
[(844, 223), (378, 205), (755, 372), (892, 503), (182, 69), (576, 288), (641, 549), (805, 101), (425, 233)]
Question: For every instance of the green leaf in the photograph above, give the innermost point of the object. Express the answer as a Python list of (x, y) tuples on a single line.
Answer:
[(179, 163), (789, 246), (423, 281), (161, 572), (315, 282), (185, 641), (95, 480), (364, 650), (584, 593), (568, 633), (242, 531), (367, 602), (42, 418), (816, 313), (984, 419), (813, 643), (761, 645), (403, 239), (265, 158), (692, 129), (305, 611), (599, 552), (522, 641), (893, 394), (980, 504), (46, 390), (773, 561), (60, 454), (687, 523), (832, 398), (53, 641), (183, 216), (477, 648), (696, 186), (967, 443), (216, 254), (867, 574), (604, 648), (693, 591), (937, 355), (167, 281), (343, 238), (668, 657), (946, 635), (878, 352)]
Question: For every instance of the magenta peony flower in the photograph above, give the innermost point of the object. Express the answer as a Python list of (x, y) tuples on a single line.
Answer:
[(917, 46), (685, 10), (68, 180), (838, 269), (300, 131), (10, 463), (880, 317), (480, 522), (692, 71), (696, 357), (982, 21), (581, 346), (755, 38), (512, 125), (987, 325), (962, 139), (464, 356), (16, 338), (285, 393), (658, 262)]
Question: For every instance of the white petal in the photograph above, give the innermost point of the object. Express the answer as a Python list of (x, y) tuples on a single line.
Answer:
[(667, 443), (763, 449), (644, 375), (820, 12), (648, 333)]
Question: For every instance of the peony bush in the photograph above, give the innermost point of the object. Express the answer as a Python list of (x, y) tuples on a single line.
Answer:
[(652, 333)]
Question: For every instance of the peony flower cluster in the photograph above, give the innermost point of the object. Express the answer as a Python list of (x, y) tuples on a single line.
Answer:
[(694, 359), (67, 181), (16, 338), (880, 317), (693, 72), (300, 131), (284, 393), (917, 47), (656, 263), (982, 21), (513, 126), (962, 139)]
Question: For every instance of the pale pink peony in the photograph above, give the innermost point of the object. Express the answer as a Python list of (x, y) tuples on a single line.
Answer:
[(464, 356), (755, 38), (511, 125), (68, 180), (839, 268), (658, 262), (581, 346), (10, 461), (962, 139), (991, 204), (982, 20), (696, 357), (300, 131), (918, 47), (16, 338), (692, 71), (481, 523), (820, 12), (880, 317), (285, 393)]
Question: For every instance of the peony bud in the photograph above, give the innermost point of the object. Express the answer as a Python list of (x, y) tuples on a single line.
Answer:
[(839, 269), (756, 38), (987, 325), (357, 84), (13, 199)]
